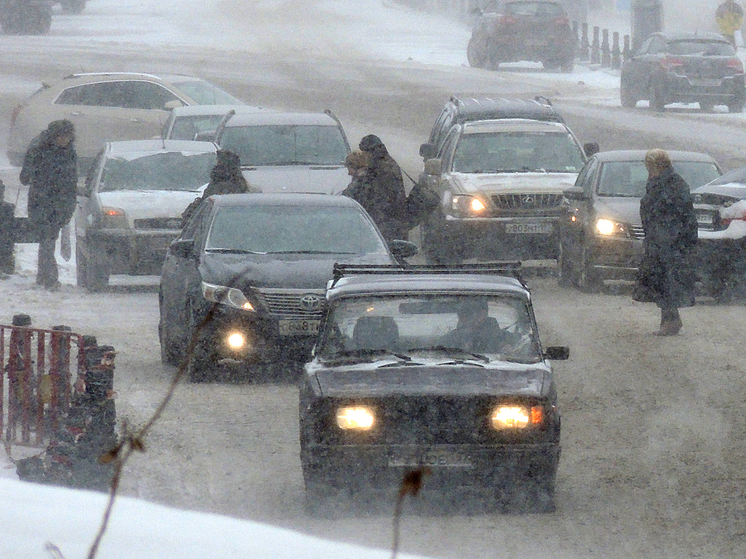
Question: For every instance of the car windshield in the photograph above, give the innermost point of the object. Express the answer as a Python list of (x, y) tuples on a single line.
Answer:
[(294, 229), (701, 48), (205, 93), (187, 127), (168, 170), (540, 9), (628, 178), (285, 145), (484, 327), (517, 153)]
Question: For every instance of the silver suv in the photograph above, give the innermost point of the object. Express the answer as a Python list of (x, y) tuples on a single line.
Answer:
[(500, 184)]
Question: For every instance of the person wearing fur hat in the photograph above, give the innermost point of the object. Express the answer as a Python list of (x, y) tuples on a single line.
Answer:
[(50, 170)]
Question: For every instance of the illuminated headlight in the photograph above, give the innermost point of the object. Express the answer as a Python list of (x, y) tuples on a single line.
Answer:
[(113, 218), (607, 227), (226, 296), (467, 206), (358, 418), (236, 340), (516, 417)]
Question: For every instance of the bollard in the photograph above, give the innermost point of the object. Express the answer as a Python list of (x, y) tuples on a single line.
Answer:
[(585, 47), (58, 396), (596, 47), (7, 233), (575, 33), (605, 50), (19, 379), (627, 52), (616, 55)]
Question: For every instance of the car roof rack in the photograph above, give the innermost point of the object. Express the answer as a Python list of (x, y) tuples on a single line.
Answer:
[(511, 268)]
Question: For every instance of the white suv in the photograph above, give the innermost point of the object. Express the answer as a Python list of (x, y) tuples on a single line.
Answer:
[(108, 107)]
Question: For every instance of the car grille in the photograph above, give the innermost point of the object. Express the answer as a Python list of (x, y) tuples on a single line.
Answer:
[(637, 232), (293, 303), (171, 223), (526, 201)]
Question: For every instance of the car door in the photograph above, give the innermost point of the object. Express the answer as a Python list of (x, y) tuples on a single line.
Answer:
[(86, 205), (636, 71), (575, 223)]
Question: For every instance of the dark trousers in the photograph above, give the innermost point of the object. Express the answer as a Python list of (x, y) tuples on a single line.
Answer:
[(46, 273)]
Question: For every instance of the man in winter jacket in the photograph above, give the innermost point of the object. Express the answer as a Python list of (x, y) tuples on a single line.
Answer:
[(382, 193), (670, 226), (50, 170)]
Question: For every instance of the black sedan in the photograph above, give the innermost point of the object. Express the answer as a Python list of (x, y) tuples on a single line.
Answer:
[(684, 68), (430, 367), (248, 272)]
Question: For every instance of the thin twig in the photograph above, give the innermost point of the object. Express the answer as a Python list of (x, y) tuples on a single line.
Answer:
[(411, 484)]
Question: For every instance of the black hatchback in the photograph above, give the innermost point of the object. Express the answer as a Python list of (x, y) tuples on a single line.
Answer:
[(246, 277), (684, 68)]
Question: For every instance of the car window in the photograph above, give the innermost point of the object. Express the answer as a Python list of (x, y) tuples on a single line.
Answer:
[(534, 9), (146, 95), (442, 126), (629, 178), (187, 127), (121, 94), (205, 93), (517, 152), (294, 229), (645, 46), (702, 48), (736, 175), (586, 173), (657, 45), (409, 323), (196, 221), (285, 144), (159, 171)]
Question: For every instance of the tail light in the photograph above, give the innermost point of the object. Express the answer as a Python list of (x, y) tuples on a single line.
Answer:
[(736, 212), (735, 64), (508, 20), (670, 62), (562, 21)]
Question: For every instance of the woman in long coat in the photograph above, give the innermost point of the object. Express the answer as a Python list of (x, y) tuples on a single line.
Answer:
[(670, 226)]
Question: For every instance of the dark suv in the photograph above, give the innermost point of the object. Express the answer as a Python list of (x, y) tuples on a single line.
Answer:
[(458, 110), (684, 68), (430, 366), (520, 30)]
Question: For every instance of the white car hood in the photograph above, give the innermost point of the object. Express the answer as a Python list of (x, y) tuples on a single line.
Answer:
[(326, 179), (148, 204), (514, 182)]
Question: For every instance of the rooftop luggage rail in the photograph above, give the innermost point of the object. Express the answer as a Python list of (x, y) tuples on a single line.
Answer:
[(511, 268)]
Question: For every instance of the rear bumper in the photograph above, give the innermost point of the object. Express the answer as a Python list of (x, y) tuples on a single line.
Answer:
[(686, 90), (132, 252)]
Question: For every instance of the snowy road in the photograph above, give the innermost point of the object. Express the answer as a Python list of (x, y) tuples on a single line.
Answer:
[(653, 456)]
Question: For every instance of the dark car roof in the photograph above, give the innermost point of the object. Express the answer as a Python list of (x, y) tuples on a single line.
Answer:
[(478, 108), (284, 199), (707, 36), (427, 283), (639, 155)]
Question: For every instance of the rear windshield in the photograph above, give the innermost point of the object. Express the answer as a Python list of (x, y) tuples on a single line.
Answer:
[(285, 145), (159, 171), (629, 178), (205, 93), (294, 230), (534, 9), (702, 48)]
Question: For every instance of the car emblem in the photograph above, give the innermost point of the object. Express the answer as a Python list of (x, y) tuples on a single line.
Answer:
[(527, 200), (310, 302)]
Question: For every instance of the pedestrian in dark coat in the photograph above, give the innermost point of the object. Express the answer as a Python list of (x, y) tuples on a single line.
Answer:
[(50, 169), (383, 195), (670, 226)]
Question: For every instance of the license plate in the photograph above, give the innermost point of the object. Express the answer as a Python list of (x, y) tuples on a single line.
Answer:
[(705, 82), (704, 218), (528, 228), (433, 458), (299, 327)]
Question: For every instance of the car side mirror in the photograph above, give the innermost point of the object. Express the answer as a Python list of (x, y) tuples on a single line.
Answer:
[(183, 248), (591, 148), (574, 193), (403, 249), (428, 151), (557, 353), (171, 105), (433, 167), (205, 136)]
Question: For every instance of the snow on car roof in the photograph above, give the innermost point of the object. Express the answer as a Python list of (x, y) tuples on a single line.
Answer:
[(513, 125), (284, 199), (141, 146), (210, 110), (639, 155), (269, 118)]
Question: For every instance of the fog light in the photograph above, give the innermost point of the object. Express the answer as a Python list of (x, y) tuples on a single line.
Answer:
[(356, 418), (236, 340)]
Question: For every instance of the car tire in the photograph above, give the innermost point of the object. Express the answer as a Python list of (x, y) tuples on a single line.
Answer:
[(564, 268), (81, 264), (476, 52), (96, 271), (73, 6), (736, 106), (169, 349), (657, 102), (568, 66), (551, 64), (588, 279), (706, 106), (626, 97)]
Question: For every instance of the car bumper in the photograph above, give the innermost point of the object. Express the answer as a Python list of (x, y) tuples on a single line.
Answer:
[(502, 238), (131, 252), (616, 258), (720, 256), (687, 90), (450, 465)]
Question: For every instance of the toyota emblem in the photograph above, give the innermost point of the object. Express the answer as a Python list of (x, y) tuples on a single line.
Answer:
[(310, 302)]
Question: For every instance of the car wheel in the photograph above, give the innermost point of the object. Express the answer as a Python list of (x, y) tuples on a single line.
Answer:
[(627, 97), (73, 6), (96, 271), (656, 98), (706, 106), (564, 268), (476, 52), (736, 106), (80, 265), (551, 64), (588, 279), (169, 349), (568, 66)]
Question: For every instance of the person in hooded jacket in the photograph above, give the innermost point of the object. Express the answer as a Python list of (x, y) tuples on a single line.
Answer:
[(225, 178), (50, 170), (382, 191), (670, 226)]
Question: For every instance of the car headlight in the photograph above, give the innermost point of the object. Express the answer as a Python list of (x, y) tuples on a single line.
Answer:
[(226, 296), (358, 418), (516, 417), (467, 206), (113, 218), (609, 228)]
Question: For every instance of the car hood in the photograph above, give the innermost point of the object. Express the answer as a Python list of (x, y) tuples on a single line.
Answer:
[(148, 204), (623, 210), (326, 179), (732, 189), (283, 271), (513, 182), (372, 380)]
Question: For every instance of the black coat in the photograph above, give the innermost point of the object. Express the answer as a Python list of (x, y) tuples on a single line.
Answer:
[(670, 226), (51, 172)]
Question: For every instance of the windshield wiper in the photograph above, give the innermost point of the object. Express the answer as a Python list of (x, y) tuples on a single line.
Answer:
[(307, 252), (232, 251), (355, 353), (451, 350)]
